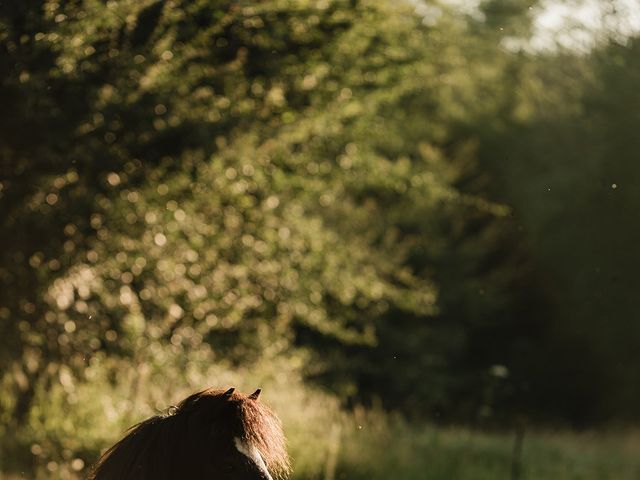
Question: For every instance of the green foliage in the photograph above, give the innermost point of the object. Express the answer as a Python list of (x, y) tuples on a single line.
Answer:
[(237, 181), (563, 151)]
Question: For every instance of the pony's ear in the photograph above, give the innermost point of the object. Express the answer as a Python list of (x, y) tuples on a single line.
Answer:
[(256, 394), (229, 392)]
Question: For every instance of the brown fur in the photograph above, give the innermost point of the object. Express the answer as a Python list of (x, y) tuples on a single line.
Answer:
[(175, 445)]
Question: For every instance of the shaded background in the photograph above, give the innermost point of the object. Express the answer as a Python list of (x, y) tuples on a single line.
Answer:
[(385, 212)]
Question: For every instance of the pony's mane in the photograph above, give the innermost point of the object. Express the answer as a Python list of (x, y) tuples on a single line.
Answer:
[(150, 442)]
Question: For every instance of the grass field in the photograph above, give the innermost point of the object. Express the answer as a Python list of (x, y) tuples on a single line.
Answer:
[(374, 448), (377, 449), (329, 444), (462, 454)]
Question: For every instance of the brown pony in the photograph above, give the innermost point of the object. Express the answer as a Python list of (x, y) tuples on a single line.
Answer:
[(213, 435)]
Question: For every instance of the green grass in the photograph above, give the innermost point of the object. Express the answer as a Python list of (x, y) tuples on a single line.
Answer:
[(383, 449), (329, 445), (325, 442)]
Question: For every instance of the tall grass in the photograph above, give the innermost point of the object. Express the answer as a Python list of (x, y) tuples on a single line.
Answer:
[(328, 444), (382, 448), (325, 442)]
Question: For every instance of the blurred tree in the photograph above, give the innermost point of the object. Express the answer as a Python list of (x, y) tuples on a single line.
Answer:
[(563, 150), (205, 177), (441, 364)]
